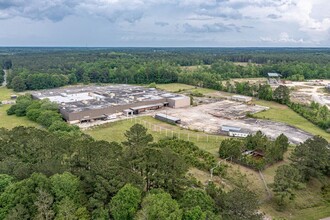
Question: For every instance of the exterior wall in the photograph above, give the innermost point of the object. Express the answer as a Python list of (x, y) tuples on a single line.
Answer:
[(237, 134), (167, 119), (182, 102), (230, 128), (97, 113)]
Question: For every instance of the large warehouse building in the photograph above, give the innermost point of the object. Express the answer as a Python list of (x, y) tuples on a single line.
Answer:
[(86, 103)]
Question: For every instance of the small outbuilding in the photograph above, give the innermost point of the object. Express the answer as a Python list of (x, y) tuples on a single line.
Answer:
[(178, 102), (13, 96), (274, 75), (274, 78), (167, 118), (241, 98), (233, 131)]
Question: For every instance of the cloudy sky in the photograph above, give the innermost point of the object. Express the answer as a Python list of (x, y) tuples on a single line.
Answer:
[(217, 23)]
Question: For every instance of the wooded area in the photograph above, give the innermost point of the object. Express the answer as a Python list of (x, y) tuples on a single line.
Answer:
[(53, 67), (50, 175)]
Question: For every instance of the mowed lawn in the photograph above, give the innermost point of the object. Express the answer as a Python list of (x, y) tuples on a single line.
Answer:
[(282, 113), (5, 93), (12, 121), (114, 131)]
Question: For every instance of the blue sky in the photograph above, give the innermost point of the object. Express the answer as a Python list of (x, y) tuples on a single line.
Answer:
[(212, 23)]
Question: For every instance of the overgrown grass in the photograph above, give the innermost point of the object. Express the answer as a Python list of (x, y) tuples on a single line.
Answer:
[(282, 113), (308, 204), (114, 131)]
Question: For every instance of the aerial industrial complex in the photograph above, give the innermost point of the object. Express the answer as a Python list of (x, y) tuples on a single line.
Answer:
[(88, 103)]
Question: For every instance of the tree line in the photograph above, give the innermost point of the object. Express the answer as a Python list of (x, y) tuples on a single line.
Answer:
[(43, 69)]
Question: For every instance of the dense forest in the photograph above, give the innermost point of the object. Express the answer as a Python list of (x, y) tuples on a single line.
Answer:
[(40, 68)]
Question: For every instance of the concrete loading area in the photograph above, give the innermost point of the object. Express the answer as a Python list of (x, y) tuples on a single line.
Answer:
[(211, 117)]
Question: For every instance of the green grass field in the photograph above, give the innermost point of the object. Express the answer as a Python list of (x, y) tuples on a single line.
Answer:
[(179, 87), (5, 93), (175, 87), (282, 113), (115, 132), (12, 121)]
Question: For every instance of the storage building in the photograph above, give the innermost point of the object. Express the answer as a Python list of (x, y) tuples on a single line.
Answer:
[(233, 131), (178, 102), (168, 118), (241, 98)]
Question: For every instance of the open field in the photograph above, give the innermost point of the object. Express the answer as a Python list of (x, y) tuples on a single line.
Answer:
[(175, 87), (5, 93), (282, 113), (178, 87), (12, 121), (115, 132)]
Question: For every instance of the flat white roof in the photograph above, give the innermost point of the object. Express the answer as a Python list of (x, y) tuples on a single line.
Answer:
[(75, 97), (168, 117), (179, 97), (274, 74), (241, 96)]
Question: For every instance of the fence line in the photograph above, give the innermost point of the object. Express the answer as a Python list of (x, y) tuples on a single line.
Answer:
[(189, 136)]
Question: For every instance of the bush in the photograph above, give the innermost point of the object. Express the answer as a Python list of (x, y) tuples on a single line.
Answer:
[(33, 114), (11, 110), (197, 94), (47, 118), (62, 126), (152, 85)]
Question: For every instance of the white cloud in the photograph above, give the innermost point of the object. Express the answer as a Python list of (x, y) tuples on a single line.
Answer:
[(281, 22), (282, 38)]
